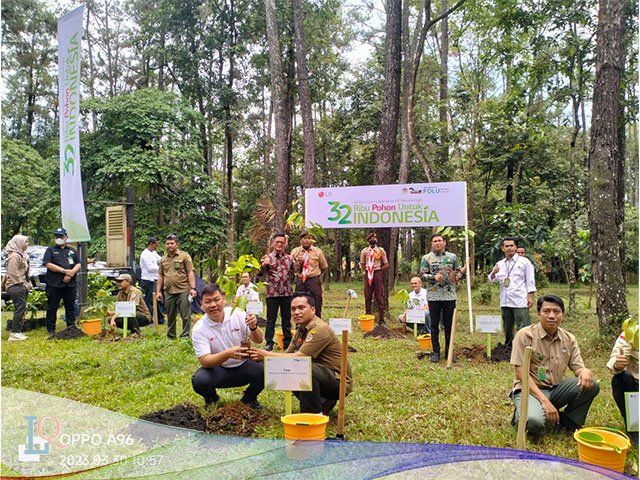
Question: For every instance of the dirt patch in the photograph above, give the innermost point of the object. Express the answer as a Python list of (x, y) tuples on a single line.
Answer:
[(476, 353), (69, 333), (231, 419), (109, 336), (382, 332), (502, 353)]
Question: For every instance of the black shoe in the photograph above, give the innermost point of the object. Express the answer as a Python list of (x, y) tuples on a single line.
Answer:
[(253, 404), (268, 347), (568, 424), (212, 401), (382, 322), (435, 357), (328, 406)]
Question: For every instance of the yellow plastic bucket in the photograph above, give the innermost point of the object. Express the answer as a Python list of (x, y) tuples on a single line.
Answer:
[(425, 342), (279, 338), (603, 455), (305, 426), (366, 322)]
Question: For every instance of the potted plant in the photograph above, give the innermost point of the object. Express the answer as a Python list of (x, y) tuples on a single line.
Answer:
[(99, 307)]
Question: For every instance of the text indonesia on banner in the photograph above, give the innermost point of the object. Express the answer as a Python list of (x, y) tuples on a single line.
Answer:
[(71, 198), (371, 206)]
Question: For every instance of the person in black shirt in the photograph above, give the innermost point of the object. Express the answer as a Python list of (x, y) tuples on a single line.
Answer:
[(62, 264)]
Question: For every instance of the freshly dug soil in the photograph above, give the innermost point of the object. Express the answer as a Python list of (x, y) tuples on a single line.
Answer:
[(382, 332), (109, 336), (231, 419), (69, 333), (502, 353), (476, 353)]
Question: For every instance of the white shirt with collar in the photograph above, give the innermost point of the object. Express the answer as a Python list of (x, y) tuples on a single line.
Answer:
[(213, 337), (149, 265), (417, 300), (522, 281), (250, 290)]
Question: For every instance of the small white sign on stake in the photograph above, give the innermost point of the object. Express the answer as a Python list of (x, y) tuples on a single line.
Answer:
[(415, 316), (631, 404), (288, 373), (488, 323), (338, 325), (125, 309), (255, 308)]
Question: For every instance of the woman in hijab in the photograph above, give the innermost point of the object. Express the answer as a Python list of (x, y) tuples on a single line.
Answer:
[(17, 282)]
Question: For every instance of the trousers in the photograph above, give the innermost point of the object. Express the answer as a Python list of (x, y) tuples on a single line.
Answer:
[(376, 288)]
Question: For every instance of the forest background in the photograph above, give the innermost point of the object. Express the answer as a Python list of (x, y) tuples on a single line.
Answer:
[(218, 113)]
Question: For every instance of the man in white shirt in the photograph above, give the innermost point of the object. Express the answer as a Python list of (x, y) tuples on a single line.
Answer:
[(149, 264), (248, 288), (516, 277), (418, 301), (220, 341)]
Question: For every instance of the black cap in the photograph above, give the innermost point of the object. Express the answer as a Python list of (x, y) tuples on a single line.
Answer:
[(60, 231), (304, 233)]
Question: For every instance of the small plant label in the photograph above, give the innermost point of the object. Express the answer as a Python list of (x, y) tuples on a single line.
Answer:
[(488, 323), (632, 406), (125, 309), (415, 316), (287, 373), (340, 324), (255, 308)]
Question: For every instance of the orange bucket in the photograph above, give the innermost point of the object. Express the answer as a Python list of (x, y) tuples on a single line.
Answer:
[(279, 338), (603, 455), (425, 342), (92, 327), (305, 426), (366, 322)]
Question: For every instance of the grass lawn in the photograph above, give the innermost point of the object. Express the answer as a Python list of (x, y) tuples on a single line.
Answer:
[(397, 397)]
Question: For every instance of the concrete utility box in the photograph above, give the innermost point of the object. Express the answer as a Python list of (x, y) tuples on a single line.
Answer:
[(116, 220)]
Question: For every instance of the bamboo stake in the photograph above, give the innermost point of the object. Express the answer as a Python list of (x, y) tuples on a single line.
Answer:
[(524, 399), (452, 338), (343, 385)]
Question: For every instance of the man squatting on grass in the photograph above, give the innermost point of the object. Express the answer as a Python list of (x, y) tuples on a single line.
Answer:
[(314, 338), (217, 339), (554, 349)]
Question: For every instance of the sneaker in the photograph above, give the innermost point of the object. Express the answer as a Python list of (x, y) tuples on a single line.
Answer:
[(253, 404), (13, 337), (435, 357), (212, 401), (22, 336), (382, 322), (268, 347)]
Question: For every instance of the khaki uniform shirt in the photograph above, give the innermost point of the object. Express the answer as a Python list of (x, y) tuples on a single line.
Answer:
[(550, 357), (629, 352), (175, 270), (318, 341), (134, 295), (379, 257), (17, 271), (317, 261)]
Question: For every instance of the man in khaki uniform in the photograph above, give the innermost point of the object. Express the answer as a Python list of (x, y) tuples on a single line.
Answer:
[(309, 264), (554, 350), (314, 338), (128, 293), (178, 279), (373, 261)]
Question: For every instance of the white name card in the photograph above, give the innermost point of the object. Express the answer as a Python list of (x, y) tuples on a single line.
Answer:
[(415, 316), (488, 323), (288, 373), (632, 405), (125, 309), (255, 308), (338, 325)]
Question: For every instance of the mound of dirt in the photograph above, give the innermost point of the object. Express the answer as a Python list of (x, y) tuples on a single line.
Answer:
[(382, 332), (234, 419), (476, 353), (502, 353), (109, 336), (186, 415), (69, 333)]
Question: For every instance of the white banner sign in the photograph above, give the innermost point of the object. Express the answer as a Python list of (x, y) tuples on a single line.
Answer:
[(125, 309), (338, 325), (255, 308), (288, 373), (488, 324), (408, 205), (632, 404), (74, 219), (415, 316)]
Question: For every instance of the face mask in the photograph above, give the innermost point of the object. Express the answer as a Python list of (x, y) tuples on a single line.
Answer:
[(372, 243), (60, 241)]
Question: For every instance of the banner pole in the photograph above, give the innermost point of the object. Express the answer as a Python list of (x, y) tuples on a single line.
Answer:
[(469, 267)]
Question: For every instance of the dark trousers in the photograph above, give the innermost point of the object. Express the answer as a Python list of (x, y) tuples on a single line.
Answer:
[(18, 294), (134, 323), (620, 384), (325, 387), (273, 304), (376, 288), (149, 290), (54, 295), (441, 311), (312, 286), (206, 380)]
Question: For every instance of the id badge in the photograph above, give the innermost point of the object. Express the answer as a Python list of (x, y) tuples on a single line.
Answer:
[(506, 282), (542, 374), (70, 260)]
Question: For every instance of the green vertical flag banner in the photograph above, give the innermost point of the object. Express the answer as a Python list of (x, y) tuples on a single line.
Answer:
[(74, 219)]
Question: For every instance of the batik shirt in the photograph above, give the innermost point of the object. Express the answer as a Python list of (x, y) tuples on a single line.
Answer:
[(278, 274), (431, 264)]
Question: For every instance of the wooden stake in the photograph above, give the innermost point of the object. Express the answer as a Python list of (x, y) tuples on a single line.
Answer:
[(155, 313), (346, 309), (524, 399), (343, 385), (451, 340)]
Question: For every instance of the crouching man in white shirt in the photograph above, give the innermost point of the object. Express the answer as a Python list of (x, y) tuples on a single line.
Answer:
[(220, 343)]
